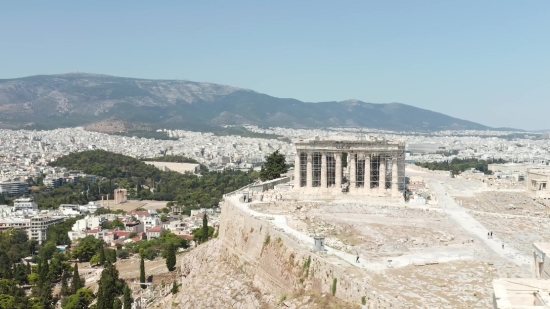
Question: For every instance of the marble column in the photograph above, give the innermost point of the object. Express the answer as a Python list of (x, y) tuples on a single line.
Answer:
[(338, 170), (324, 170), (394, 178), (297, 170), (382, 173), (352, 169), (309, 171), (367, 171)]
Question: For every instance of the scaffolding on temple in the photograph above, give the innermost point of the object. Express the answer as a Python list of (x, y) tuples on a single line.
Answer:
[(382, 155), (331, 171), (317, 169), (303, 169), (374, 171), (359, 172)]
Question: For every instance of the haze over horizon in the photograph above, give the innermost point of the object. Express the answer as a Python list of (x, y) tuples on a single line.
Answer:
[(484, 62)]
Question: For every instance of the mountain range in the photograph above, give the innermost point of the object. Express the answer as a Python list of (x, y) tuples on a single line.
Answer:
[(79, 99)]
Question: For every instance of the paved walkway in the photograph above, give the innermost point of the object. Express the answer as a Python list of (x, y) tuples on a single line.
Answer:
[(432, 255), (470, 224)]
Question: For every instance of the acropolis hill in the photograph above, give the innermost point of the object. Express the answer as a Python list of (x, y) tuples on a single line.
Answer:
[(352, 247)]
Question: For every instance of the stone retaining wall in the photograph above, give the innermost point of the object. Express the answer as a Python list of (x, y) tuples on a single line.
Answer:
[(278, 264)]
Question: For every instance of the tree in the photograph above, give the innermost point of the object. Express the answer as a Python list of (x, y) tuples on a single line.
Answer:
[(109, 287), (127, 297), (7, 301), (142, 273), (117, 304), (20, 274), (175, 288), (44, 287), (80, 300), (122, 254), (101, 255), (274, 166), (113, 224), (171, 258), (56, 265), (33, 278), (87, 247), (163, 218), (76, 283), (110, 256), (204, 227), (12, 296), (197, 233), (43, 273), (64, 284), (46, 297), (94, 260)]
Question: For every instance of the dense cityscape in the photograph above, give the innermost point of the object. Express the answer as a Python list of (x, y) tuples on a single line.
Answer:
[(27, 154)]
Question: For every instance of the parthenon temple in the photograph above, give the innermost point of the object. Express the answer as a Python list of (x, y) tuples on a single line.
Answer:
[(361, 165)]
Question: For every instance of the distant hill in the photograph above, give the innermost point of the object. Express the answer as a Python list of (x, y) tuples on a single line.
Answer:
[(79, 99)]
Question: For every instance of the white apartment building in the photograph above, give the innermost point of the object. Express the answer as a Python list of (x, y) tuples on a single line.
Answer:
[(15, 223), (196, 212), (24, 204), (145, 216), (92, 207), (136, 227), (40, 225), (72, 210), (154, 232), (151, 222), (88, 223)]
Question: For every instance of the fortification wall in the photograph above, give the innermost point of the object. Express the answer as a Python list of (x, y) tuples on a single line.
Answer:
[(278, 264)]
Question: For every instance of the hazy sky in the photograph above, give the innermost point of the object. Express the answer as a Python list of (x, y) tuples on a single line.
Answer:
[(485, 61)]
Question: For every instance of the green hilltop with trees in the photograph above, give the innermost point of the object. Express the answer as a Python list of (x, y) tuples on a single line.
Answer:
[(143, 181), (457, 166)]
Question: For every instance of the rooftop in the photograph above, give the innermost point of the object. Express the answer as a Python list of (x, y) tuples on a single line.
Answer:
[(139, 213), (539, 170), (543, 247), (521, 293), (156, 228), (349, 139)]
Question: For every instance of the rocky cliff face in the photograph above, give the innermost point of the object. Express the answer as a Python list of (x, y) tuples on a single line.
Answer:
[(52, 101), (253, 265)]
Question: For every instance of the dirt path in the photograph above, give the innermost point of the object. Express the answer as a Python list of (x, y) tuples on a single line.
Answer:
[(478, 231)]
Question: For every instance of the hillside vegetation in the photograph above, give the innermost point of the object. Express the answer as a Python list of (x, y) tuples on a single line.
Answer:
[(122, 171), (456, 166)]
